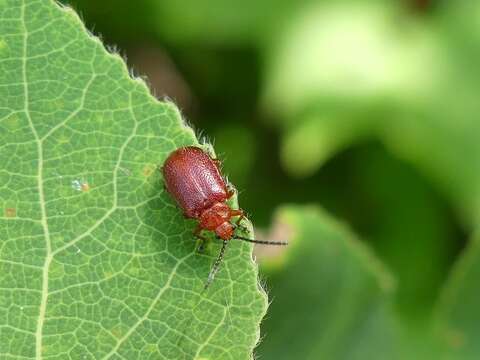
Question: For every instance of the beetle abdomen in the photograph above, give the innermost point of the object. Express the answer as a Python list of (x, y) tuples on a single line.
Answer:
[(194, 181)]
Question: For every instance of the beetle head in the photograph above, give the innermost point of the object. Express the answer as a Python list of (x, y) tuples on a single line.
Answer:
[(224, 231), (215, 216)]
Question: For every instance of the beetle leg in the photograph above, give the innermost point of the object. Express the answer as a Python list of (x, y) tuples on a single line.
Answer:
[(230, 191), (239, 213), (202, 246), (203, 239)]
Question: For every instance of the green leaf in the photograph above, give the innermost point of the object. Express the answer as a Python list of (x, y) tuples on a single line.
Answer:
[(96, 261), (458, 319), (342, 303)]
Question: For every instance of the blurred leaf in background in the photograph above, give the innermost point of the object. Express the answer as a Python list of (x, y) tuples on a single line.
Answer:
[(333, 301), (364, 68), (457, 315)]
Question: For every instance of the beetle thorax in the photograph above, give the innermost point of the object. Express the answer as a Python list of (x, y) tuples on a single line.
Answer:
[(217, 218)]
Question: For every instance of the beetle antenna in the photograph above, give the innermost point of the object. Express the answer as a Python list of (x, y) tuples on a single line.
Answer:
[(216, 265), (264, 242)]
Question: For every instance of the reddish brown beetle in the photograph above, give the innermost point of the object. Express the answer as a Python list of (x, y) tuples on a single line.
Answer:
[(194, 180)]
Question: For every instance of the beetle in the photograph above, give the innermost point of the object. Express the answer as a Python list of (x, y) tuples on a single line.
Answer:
[(194, 180)]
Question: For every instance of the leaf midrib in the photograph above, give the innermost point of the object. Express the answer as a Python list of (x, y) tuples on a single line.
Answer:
[(43, 214), (41, 194)]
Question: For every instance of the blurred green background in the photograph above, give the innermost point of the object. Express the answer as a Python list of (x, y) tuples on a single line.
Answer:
[(368, 109)]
